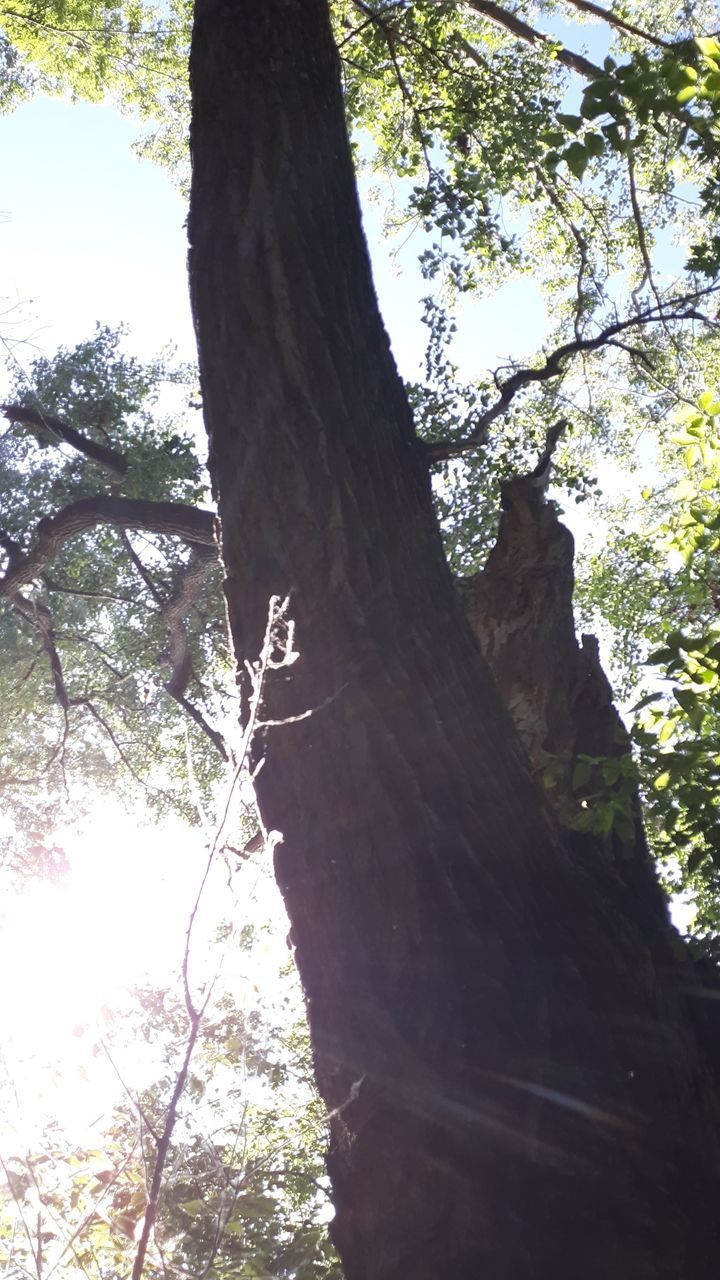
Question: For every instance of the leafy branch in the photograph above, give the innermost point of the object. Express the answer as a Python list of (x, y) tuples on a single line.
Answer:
[(194, 525), (52, 429)]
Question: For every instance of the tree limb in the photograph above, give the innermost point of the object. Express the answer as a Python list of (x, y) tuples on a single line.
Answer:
[(679, 309), (179, 656), (621, 24), (193, 524), (65, 434), (40, 617), (495, 13)]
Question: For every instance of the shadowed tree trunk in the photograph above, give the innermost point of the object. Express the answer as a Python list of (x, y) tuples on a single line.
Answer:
[(498, 1026)]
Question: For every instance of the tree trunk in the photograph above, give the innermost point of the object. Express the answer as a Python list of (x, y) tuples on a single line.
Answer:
[(514, 1087)]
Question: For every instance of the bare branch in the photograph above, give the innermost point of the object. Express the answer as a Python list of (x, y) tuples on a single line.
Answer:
[(647, 275), (40, 617), (677, 309), (140, 567), (65, 434), (196, 1013)]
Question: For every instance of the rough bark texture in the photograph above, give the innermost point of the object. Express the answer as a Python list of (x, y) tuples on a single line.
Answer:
[(514, 1089), (520, 611)]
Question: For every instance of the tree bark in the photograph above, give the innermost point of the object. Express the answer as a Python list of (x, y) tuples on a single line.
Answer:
[(513, 1083)]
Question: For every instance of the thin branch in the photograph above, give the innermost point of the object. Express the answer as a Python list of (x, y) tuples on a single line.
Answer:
[(494, 13), (647, 276), (196, 714), (163, 1148), (140, 567), (40, 617), (195, 1013), (103, 1195), (391, 36), (679, 309), (18, 1205), (65, 589), (85, 702), (65, 434)]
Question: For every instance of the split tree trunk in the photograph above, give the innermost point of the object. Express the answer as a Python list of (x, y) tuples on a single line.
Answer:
[(513, 1085)]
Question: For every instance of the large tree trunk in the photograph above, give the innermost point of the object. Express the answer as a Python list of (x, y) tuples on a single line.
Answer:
[(498, 1032)]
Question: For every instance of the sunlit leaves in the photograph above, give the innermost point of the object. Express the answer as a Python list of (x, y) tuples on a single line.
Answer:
[(105, 589), (120, 47)]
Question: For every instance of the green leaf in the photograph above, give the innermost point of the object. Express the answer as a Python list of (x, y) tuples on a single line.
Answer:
[(696, 859), (686, 95), (617, 140), (581, 774), (576, 158), (686, 698), (661, 656), (645, 702), (572, 123), (192, 1207), (709, 404), (708, 46)]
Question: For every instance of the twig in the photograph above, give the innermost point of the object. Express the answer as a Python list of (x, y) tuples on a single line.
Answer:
[(195, 1013)]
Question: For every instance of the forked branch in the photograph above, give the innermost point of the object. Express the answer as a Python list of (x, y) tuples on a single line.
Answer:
[(684, 308)]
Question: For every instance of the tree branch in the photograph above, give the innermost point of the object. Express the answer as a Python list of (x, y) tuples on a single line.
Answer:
[(193, 524), (40, 617), (494, 13), (179, 656), (680, 309), (65, 434), (142, 572), (621, 24)]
